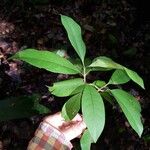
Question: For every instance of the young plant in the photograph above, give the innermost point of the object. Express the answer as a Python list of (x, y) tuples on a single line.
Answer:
[(84, 96)]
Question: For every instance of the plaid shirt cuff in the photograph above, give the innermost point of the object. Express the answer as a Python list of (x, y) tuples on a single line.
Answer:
[(48, 137)]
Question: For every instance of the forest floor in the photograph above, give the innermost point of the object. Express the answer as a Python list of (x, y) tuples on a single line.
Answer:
[(114, 29)]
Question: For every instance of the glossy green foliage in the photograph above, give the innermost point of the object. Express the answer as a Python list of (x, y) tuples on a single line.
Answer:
[(93, 111), (105, 62), (119, 77), (99, 83), (74, 35), (71, 107), (135, 77), (86, 140), (131, 109), (65, 88), (87, 97), (47, 60)]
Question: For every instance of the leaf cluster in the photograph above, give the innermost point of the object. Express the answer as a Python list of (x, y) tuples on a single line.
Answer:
[(87, 97)]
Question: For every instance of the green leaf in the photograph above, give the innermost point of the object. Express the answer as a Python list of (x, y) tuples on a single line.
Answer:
[(93, 111), (108, 96), (74, 35), (21, 107), (131, 109), (71, 107), (65, 88), (79, 89), (99, 83), (135, 77), (119, 77), (47, 60), (86, 140), (105, 62), (77, 62)]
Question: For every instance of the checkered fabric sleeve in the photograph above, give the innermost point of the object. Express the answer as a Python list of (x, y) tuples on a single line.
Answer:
[(48, 137)]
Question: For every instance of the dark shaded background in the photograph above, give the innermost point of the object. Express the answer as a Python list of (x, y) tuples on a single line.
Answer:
[(118, 29)]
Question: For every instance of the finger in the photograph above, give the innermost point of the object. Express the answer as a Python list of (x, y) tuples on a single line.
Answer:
[(77, 118), (66, 125), (74, 130), (56, 120)]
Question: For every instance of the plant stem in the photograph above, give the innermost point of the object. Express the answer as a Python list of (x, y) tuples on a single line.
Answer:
[(99, 89), (95, 86), (84, 74)]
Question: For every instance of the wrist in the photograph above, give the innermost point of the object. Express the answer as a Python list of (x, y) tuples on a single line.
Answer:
[(51, 131)]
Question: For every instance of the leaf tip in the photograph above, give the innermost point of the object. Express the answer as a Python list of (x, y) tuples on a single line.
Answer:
[(143, 86), (140, 133), (15, 56)]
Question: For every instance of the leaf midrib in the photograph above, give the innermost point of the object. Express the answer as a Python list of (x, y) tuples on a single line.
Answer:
[(50, 62), (72, 29), (130, 113)]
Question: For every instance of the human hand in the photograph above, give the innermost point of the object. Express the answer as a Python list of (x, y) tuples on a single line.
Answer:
[(70, 129)]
